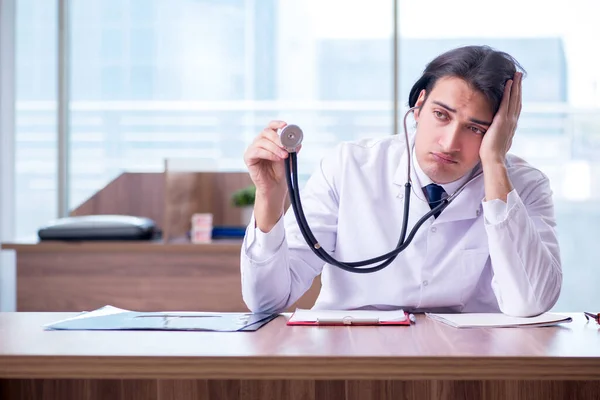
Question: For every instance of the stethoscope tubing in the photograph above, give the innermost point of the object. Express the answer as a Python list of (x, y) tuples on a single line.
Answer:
[(291, 168)]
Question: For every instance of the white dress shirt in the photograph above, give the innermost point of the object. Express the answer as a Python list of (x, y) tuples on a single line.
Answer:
[(477, 256)]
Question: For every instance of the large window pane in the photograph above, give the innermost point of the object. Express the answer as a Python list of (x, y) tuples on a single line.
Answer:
[(35, 122), (200, 78), (559, 130)]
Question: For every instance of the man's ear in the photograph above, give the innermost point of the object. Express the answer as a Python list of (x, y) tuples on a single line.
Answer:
[(419, 104)]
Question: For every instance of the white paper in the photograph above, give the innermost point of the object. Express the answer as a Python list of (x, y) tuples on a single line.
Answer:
[(364, 316), (497, 320), (110, 310), (106, 310)]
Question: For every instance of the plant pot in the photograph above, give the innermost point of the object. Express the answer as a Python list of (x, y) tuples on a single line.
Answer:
[(246, 215)]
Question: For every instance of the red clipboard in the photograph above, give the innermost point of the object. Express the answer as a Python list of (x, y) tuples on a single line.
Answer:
[(349, 321)]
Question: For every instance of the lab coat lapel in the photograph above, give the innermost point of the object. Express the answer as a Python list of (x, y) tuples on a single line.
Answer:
[(418, 202)]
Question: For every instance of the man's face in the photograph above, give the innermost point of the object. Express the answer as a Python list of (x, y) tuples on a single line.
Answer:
[(450, 127)]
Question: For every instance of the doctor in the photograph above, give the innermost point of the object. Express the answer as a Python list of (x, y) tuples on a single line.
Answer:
[(492, 249)]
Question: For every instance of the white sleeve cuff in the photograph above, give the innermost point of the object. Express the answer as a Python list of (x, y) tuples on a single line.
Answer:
[(496, 211), (261, 245)]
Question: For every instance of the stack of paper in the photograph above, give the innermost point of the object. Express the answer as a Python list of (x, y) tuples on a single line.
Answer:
[(348, 317), (497, 320)]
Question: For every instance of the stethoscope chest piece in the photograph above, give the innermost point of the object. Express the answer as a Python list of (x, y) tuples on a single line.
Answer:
[(291, 137)]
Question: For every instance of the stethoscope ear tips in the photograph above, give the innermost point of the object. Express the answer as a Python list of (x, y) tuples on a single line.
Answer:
[(291, 137)]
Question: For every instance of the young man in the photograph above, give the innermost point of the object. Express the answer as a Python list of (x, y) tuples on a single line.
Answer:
[(494, 248)]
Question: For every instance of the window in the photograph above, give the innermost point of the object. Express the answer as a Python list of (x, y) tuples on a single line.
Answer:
[(200, 78), (35, 119)]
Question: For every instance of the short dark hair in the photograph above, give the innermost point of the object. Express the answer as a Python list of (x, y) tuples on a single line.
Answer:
[(483, 68)]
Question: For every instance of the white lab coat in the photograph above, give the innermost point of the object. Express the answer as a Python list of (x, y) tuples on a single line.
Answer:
[(477, 256)]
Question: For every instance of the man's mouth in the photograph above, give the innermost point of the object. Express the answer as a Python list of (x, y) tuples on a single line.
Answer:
[(444, 158)]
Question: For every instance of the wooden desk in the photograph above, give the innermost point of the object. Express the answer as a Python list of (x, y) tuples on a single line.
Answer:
[(425, 361), (144, 276)]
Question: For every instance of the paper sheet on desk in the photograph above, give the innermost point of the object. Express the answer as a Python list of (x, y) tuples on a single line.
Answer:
[(106, 310), (497, 320), (348, 317), (113, 318)]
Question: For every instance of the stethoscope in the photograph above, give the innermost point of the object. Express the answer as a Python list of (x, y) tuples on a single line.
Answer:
[(291, 137)]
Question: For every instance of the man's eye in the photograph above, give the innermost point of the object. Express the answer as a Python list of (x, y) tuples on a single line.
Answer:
[(477, 130), (439, 114)]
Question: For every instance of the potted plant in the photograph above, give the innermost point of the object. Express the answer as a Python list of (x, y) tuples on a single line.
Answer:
[(244, 199)]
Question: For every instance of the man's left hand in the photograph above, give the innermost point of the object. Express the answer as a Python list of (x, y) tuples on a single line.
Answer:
[(498, 138)]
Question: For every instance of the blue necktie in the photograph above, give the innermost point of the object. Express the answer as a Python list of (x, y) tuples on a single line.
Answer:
[(435, 193)]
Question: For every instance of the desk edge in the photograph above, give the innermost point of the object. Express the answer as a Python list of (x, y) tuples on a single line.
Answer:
[(297, 367)]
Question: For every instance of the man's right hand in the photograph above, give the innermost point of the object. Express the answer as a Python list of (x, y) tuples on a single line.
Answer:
[(265, 159)]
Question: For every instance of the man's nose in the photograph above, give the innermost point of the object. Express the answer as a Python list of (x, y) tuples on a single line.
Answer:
[(449, 140)]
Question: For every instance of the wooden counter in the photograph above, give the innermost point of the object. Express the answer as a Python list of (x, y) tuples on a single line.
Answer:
[(144, 276), (178, 247)]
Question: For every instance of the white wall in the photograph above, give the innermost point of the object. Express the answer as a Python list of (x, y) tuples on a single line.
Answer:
[(7, 141)]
